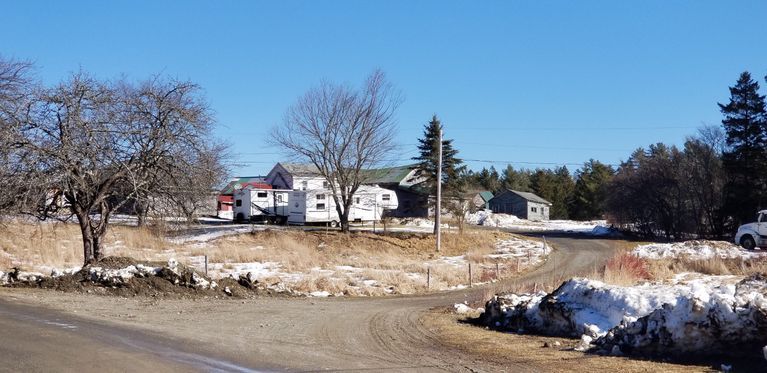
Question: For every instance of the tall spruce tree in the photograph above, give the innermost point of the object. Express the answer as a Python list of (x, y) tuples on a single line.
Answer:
[(745, 159), (426, 172), (589, 194)]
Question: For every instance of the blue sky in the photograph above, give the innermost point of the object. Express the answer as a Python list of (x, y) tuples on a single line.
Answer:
[(536, 83)]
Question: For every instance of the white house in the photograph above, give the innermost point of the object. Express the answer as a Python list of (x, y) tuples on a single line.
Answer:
[(294, 176)]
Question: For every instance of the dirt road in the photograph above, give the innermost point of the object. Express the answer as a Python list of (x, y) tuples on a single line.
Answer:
[(342, 334)]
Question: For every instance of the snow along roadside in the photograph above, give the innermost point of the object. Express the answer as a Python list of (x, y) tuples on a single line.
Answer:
[(702, 315)]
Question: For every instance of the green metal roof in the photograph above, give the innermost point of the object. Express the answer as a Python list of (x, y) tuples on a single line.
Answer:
[(486, 195), (390, 175)]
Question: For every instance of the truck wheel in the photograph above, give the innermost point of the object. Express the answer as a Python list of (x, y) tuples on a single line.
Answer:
[(333, 224), (748, 242)]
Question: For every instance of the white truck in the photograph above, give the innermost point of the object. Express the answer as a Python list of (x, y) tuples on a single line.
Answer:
[(261, 205), (753, 235), (318, 207)]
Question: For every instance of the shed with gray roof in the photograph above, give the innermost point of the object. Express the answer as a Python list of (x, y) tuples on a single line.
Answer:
[(523, 205)]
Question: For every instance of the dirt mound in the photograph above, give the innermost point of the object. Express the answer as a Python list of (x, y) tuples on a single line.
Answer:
[(124, 276), (115, 262)]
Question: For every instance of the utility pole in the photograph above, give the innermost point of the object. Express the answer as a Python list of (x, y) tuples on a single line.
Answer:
[(438, 207)]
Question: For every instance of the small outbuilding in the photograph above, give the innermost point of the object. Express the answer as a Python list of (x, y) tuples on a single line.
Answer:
[(523, 205)]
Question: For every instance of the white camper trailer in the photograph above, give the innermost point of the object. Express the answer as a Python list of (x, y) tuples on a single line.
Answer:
[(261, 205), (317, 206)]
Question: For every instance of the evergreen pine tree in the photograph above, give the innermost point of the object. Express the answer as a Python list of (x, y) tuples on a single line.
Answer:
[(745, 160), (516, 180), (428, 147), (589, 193)]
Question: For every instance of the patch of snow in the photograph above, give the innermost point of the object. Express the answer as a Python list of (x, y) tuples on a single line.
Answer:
[(462, 309), (319, 294), (695, 250), (490, 219), (694, 315), (211, 233)]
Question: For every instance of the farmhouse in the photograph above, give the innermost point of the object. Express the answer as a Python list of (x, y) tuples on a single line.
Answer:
[(296, 176), (401, 180), (521, 204)]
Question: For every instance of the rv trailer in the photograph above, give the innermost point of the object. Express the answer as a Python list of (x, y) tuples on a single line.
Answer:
[(261, 205), (318, 206)]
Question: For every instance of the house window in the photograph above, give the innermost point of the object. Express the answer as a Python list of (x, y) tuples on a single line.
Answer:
[(320, 206), (304, 185), (325, 185), (261, 195), (321, 197), (279, 198), (386, 197), (357, 200), (238, 203), (534, 209)]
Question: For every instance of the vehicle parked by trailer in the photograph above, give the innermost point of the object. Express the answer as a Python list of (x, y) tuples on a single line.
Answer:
[(753, 235)]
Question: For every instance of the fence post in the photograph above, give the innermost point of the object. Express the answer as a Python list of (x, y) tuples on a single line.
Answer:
[(206, 265), (545, 245), (470, 285), (428, 278), (497, 271), (518, 260)]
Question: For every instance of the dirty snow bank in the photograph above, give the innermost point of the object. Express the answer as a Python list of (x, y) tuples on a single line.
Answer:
[(694, 316), (695, 250), (114, 277), (490, 219)]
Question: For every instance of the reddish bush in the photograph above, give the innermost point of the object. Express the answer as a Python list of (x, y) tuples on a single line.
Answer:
[(629, 266)]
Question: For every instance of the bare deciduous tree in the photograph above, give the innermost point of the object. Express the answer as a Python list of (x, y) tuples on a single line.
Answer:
[(85, 147), (342, 131)]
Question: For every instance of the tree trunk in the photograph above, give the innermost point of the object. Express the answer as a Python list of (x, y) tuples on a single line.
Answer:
[(98, 254), (88, 241), (141, 212), (344, 220)]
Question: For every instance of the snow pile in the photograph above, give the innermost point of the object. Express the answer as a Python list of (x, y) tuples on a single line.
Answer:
[(17, 275), (695, 250), (121, 276), (463, 309), (489, 219), (697, 316)]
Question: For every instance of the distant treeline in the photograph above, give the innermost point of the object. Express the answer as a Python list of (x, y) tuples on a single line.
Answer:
[(715, 182)]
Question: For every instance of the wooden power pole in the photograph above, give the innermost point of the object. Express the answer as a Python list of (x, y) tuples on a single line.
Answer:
[(438, 207)]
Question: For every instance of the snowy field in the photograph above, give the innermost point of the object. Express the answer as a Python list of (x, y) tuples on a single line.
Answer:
[(696, 250), (510, 254), (694, 314), (233, 253), (489, 219)]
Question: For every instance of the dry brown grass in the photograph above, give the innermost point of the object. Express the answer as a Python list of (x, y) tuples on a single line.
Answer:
[(667, 268), (392, 259), (60, 244), (396, 261)]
